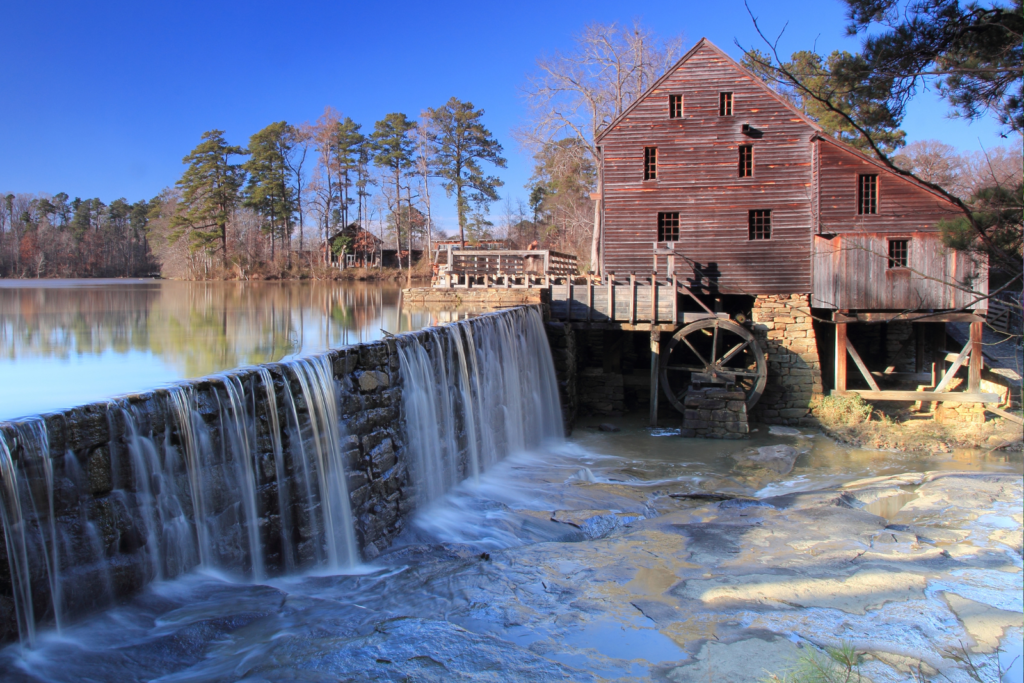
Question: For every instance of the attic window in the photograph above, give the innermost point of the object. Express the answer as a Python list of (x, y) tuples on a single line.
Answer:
[(675, 106), (746, 161), (759, 224), (668, 227), (650, 163), (867, 194), (899, 253), (725, 104)]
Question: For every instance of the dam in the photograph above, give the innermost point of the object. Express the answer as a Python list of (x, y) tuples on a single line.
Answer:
[(410, 507)]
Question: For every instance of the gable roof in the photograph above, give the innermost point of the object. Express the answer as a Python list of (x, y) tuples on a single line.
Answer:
[(704, 42), (828, 139)]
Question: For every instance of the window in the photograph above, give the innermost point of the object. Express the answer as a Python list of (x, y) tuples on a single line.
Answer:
[(668, 227), (746, 161), (867, 194), (650, 163), (899, 253), (725, 104), (675, 106), (759, 223)]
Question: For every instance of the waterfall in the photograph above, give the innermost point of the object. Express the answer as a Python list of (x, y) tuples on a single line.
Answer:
[(217, 486), (474, 393)]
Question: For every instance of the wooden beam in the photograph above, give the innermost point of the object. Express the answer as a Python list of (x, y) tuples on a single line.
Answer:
[(840, 381), (611, 296), (957, 362), (632, 298), (590, 298), (1004, 414), (675, 298), (916, 377), (654, 297), (655, 363), (689, 292), (974, 370), (915, 316), (924, 396), (860, 366)]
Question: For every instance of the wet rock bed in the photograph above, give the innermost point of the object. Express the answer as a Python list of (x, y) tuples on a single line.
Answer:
[(625, 555)]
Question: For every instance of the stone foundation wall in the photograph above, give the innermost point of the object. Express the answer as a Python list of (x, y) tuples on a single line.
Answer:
[(782, 325), (564, 353), (97, 499), (715, 413)]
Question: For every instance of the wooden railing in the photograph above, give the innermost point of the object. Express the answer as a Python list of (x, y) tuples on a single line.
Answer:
[(462, 266)]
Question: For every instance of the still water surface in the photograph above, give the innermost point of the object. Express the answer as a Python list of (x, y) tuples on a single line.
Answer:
[(68, 342)]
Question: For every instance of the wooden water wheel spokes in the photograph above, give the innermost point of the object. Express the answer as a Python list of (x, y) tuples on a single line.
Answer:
[(712, 351)]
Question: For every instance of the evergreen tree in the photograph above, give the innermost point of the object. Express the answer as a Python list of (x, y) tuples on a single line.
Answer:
[(209, 192), (349, 150), (461, 142), (393, 149), (269, 191)]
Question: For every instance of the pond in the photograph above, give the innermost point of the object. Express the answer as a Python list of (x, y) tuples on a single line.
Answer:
[(68, 342)]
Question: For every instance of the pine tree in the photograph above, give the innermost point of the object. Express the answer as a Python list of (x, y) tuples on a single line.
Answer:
[(269, 191), (209, 193), (393, 149), (461, 142)]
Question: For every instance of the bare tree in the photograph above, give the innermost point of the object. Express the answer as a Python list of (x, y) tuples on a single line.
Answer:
[(577, 93)]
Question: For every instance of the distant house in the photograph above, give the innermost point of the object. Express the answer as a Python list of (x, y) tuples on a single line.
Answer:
[(354, 247)]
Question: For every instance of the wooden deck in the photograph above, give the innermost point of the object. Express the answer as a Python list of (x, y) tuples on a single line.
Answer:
[(632, 302)]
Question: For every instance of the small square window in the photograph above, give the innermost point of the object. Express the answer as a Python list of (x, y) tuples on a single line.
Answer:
[(725, 104), (650, 163), (675, 106), (668, 227), (899, 253), (759, 224), (867, 194), (746, 161)]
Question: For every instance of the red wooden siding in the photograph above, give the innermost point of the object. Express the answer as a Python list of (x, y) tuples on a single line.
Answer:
[(851, 272), (698, 177), (903, 205)]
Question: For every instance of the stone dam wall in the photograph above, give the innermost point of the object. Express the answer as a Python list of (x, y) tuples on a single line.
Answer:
[(101, 499)]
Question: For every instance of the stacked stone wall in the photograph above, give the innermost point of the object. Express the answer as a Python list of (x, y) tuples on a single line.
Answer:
[(94, 484), (565, 354), (715, 413), (783, 326)]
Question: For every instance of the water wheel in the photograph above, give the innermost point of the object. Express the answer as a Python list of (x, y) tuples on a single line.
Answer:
[(713, 351)]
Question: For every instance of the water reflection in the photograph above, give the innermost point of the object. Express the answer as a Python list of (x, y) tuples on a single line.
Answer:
[(66, 342)]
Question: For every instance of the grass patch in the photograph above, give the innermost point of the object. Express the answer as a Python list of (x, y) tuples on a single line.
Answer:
[(834, 665), (853, 421)]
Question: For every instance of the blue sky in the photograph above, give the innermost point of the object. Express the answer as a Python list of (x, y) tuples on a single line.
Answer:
[(105, 99)]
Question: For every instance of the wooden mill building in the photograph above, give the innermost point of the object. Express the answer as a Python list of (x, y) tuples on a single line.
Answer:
[(714, 180)]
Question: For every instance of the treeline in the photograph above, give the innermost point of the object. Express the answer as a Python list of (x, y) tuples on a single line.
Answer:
[(276, 204), (62, 237)]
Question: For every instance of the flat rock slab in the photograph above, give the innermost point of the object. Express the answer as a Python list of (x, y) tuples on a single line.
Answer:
[(779, 459)]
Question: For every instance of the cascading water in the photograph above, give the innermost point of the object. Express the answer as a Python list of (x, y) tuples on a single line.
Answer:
[(214, 491), (474, 394)]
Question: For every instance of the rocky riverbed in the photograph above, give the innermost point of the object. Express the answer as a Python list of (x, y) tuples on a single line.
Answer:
[(631, 555)]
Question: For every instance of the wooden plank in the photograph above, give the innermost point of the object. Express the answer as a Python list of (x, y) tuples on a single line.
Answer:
[(918, 317), (921, 396), (675, 298), (957, 362), (924, 396), (840, 364), (654, 298), (974, 370), (860, 366), (611, 296), (655, 362), (1005, 414), (632, 298)]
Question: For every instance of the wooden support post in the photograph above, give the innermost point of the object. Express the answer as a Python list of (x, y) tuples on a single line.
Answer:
[(590, 298), (611, 297), (977, 360), (675, 299), (861, 366), (840, 383), (654, 298), (655, 361), (632, 298), (568, 298)]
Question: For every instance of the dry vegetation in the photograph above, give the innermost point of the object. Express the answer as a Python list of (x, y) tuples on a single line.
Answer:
[(853, 421)]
